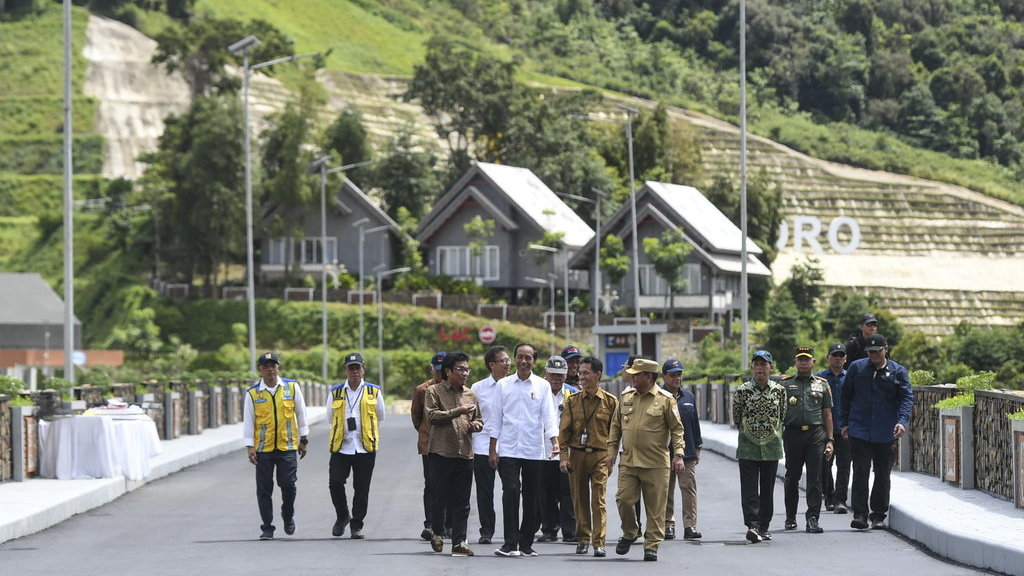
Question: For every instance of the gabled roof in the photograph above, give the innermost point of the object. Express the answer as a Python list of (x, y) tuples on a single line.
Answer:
[(357, 196), (714, 237), (28, 299), (522, 188)]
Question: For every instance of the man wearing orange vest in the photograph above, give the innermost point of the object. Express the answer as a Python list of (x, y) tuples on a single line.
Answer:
[(274, 432), (356, 409)]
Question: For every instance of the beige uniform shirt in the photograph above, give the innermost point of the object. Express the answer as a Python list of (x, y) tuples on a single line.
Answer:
[(646, 425)]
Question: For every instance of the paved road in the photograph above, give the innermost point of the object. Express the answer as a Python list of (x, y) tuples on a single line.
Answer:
[(204, 520)]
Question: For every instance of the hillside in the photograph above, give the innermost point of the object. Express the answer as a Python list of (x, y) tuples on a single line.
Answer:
[(930, 246)]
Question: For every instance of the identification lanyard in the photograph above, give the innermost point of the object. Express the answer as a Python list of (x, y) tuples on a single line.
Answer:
[(352, 405)]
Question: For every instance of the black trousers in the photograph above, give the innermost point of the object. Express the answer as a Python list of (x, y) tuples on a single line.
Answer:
[(286, 464), (868, 456), (483, 474), (757, 491), (556, 501), (836, 491), (361, 467), (803, 448), (453, 481), (520, 478)]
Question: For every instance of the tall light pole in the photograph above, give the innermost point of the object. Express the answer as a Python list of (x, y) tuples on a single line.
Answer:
[(320, 165), (362, 239), (565, 283), (628, 124), (381, 275), (744, 332), (596, 288), (551, 283), (69, 196), (243, 47)]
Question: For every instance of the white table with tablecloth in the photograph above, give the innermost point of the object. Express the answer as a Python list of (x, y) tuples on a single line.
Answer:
[(99, 446)]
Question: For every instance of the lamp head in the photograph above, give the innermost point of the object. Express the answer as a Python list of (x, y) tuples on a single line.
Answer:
[(244, 45)]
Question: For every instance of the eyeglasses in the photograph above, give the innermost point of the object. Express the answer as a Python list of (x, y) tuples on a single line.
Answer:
[(502, 361), (462, 369)]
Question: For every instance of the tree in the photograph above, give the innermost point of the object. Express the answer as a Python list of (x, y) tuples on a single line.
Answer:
[(348, 137), (668, 255), (405, 175), (198, 175), (478, 231), (199, 50), (783, 328), (614, 261)]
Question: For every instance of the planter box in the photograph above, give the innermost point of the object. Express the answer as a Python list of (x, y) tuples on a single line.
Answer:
[(1017, 443), (956, 446)]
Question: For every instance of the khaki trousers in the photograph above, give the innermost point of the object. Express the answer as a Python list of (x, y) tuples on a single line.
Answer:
[(587, 483), (653, 484), (687, 492)]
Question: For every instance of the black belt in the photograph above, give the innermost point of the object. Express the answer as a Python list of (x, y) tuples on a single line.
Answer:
[(588, 449)]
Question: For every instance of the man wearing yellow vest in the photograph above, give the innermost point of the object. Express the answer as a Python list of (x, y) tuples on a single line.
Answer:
[(356, 409), (274, 431)]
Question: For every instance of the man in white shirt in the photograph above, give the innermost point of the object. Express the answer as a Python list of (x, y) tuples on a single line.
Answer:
[(498, 362), (518, 449), (356, 409), (274, 432)]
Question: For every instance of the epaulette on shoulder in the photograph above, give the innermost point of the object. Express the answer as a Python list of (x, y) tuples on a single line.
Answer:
[(666, 393), (821, 379), (786, 377)]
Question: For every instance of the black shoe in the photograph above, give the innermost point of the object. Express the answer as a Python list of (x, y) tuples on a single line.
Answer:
[(830, 507), (570, 539), (840, 508), (528, 552), (548, 537), (764, 534), (427, 534), (357, 534), (484, 540), (670, 532), (623, 545), (650, 555), (812, 526), (289, 526), (691, 534), (753, 536), (599, 552), (859, 523), (582, 548), (878, 524), (267, 534), (339, 529), (790, 524), (507, 551)]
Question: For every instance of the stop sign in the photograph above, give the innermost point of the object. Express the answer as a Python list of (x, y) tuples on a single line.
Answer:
[(488, 334)]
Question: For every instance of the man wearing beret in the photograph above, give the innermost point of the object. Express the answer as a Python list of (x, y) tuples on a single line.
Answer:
[(646, 422), (274, 432), (806, 437), (874, 413), (356, 409)]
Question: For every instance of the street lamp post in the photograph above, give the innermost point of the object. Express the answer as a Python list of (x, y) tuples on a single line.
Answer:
[(744, 332), (565, 284), (69, 196), (628, 124), (244, 47), (362, 239), (551, 283), (320, 165), (596, 284), (381, 275)]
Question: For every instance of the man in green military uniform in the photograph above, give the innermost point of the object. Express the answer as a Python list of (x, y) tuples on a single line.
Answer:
[(647, 424), (806, 436)]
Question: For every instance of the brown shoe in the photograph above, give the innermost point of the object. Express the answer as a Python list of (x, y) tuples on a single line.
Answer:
[(461, 549), (437, 543)]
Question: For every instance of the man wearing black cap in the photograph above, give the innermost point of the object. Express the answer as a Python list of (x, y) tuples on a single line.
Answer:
[(422, 425), (274, 432), (874, 413), (672, 375), (806, 437), (758, 409), (835, 492), (855, 345), (356, 409), (572, 356)]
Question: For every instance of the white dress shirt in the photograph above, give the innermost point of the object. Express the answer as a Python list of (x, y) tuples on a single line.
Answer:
[(486, 391), (527, 420), (352, 443), (248, 411)]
